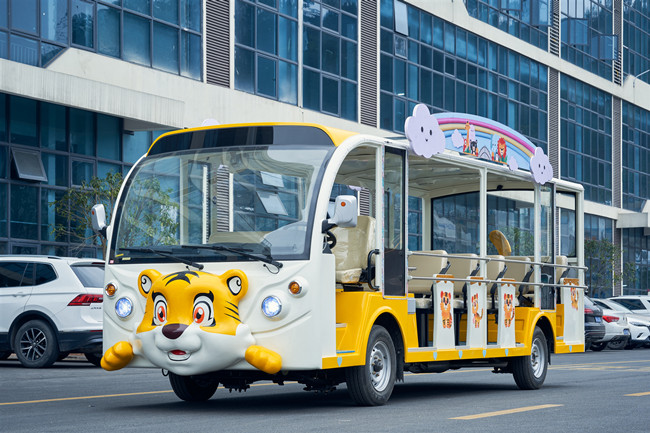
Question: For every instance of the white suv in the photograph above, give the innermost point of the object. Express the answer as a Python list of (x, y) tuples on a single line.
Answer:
[(49, 307)]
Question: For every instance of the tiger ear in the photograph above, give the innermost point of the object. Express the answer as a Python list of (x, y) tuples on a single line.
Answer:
[(146, 280), (236, 281)]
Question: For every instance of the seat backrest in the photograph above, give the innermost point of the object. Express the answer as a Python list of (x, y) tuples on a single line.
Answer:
[(494, 267), (462, 267), (563, 261), (425, 266), (354, 243), (517, 271)]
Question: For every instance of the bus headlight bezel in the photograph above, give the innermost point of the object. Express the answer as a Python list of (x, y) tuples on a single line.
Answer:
[(124, 307)]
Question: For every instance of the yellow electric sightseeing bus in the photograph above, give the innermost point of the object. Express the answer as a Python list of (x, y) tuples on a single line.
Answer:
[(297, 252)]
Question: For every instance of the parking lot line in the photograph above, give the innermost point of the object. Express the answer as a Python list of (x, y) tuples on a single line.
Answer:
[(638, 394), (507, 411), (83, 398)]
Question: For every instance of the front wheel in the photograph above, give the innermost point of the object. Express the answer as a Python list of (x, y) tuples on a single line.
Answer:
[(35, 345), (190, 388), (530, 371), (372, 384)]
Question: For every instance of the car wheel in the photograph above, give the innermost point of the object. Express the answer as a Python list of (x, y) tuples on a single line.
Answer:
[(372, 384), (4, 355), (190, 388), (597, 347), (94, 358), (35, 344), (530, 371), (617, 345)]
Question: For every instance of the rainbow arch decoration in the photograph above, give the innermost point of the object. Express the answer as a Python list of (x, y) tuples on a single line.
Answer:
[(488, 135)]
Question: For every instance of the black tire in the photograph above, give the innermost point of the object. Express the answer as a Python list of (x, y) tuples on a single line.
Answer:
[(94, 358), (617, 345), (530, 371), (190, 388), (372, 384), (35, 344), (4, 355), (597, 347)]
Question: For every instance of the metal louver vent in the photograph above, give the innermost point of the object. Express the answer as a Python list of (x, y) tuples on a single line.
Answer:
[(364, 202), (554, 30), (554, 120), (616, 152), (368, 63), (618, 62), (222, 198), (217, 36)]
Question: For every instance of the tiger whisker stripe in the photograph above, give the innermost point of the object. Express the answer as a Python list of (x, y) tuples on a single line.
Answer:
[(236, 318), (234, 312)]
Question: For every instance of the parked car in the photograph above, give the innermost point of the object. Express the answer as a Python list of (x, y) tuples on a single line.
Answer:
[(594, 326), (639, 323), (49, 307), (639, 304), (617, 331)]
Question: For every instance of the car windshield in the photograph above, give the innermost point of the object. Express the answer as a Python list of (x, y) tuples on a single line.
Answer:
[(90, 275), (244, 202)]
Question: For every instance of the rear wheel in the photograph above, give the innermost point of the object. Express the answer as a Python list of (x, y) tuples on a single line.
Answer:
[(617, 345), (530, 371), (597, 347), (35, 344), (4, 355), (191, 388), (372, 384)]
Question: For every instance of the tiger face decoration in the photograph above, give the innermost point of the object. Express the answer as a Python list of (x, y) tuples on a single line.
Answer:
[(191, 325), (476, 316)]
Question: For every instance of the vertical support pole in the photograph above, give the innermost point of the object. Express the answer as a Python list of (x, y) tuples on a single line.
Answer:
[(379, 215), (537, 230), (483, 235)]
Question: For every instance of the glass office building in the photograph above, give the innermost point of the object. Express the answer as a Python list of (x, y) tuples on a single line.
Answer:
[(87, 84)]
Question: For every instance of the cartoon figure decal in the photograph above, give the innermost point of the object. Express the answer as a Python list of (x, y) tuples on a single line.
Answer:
[(471, 143), (502, 150), (476, 317), (191, 325), (423, 132), (574, 298), (445, 308), (508, 309), (540, 167)]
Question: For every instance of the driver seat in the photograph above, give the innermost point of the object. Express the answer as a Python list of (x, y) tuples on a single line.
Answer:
[(353, 244)]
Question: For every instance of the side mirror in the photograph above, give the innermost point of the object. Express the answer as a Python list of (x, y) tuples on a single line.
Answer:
[(98, 218), (345, 212)]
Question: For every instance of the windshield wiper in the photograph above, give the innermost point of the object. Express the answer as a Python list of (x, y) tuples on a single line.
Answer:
[(199, 266), (266, 258)]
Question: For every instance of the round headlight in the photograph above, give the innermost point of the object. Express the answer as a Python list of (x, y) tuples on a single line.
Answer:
[(271, 306), (124, 307)]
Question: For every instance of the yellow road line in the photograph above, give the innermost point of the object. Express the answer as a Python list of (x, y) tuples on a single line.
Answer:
[(105, 396), (85, 397), (507, 411), (638, 394)]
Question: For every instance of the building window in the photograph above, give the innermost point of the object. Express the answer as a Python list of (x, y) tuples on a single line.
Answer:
[(450, 69), (636, 156), (586, 138), (163, 34), (636, 39), (266, 48), (526, 20), (330, 36), (587, 35)]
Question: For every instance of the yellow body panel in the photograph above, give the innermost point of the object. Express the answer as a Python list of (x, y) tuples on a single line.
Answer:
[(356, 312)]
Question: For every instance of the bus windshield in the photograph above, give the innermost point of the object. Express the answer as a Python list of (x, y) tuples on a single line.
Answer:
[(244, 202)]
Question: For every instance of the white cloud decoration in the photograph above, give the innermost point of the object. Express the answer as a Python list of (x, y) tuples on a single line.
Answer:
[(513, 165), (540, 167), (457, 139), (424, 133)]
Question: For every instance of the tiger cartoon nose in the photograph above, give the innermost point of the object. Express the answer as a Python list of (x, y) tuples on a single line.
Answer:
[(173, 330)]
